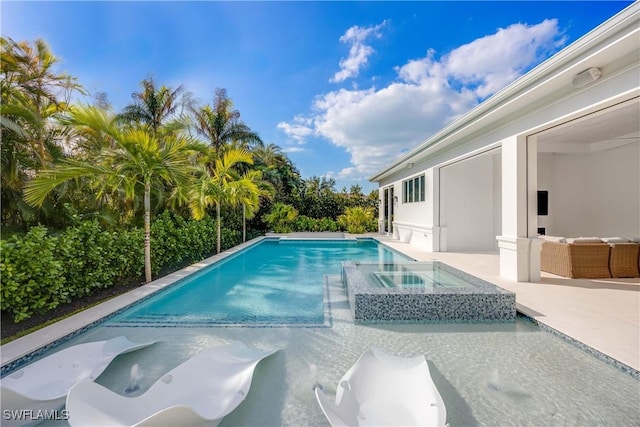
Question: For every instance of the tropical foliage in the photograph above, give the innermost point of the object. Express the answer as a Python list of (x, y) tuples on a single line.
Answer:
[(131, 161), (357, 220), (281, 218), (85, 257), (32, 94), (104, 197)]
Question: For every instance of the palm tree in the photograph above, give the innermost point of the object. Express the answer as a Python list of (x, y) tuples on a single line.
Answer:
[(154, 108), (220, 184), (274, 165), (269, 155), (134, 162), (251, 201), (220, 125), (32, 93)]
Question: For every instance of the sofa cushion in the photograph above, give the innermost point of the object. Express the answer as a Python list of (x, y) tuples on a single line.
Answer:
[(557, 239), (615, 240), (584, 240)]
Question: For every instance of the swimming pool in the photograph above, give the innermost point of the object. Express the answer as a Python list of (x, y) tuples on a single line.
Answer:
[(488, 374), (274, 282)]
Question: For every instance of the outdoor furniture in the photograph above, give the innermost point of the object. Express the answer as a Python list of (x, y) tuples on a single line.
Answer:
[(382, 390), (624, 260), (44, 384), (201, 390), (575, 260)]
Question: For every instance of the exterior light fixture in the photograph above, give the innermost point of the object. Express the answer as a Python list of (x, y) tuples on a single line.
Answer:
[(409, 165), (586, 77)]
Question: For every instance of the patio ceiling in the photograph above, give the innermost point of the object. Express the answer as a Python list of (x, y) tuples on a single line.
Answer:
[(606, 129)]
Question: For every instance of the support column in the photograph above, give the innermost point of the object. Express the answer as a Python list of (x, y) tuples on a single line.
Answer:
[(519, 249), (433, 198)]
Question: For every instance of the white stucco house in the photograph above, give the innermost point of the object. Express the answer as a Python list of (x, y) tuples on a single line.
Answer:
[(556, 152)]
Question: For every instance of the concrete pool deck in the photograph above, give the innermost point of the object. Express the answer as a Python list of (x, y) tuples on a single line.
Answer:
[(603, 314)]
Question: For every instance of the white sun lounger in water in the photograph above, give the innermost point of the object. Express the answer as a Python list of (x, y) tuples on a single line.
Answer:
[(43, 385), (381, 390), (203, 389)]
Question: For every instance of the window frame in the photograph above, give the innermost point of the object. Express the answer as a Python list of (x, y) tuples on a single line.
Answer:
[(414, 189)]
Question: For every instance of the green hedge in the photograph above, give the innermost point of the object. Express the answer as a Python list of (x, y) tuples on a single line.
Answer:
[(32, 275), (305, 223), (40, 271)]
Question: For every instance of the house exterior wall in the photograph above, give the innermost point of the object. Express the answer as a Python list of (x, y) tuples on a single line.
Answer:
[(414, 220), (470, 203), (511, 119)]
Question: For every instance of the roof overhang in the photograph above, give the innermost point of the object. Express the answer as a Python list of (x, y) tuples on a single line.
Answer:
[(616, 40)]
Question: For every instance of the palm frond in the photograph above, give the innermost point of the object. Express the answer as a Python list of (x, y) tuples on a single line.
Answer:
[(36, 190)]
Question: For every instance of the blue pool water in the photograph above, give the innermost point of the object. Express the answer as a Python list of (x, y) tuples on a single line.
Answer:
[(271, 282)]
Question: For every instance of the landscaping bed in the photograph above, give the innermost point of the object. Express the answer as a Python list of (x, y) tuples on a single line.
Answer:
[(10, 329)]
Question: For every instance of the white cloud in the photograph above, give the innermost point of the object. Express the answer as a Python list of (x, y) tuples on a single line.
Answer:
[(359, 52), (494, 61), (376, 125), (292, 149), (299, 130)]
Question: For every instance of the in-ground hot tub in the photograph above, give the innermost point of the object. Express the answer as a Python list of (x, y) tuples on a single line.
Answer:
[(423, 292)]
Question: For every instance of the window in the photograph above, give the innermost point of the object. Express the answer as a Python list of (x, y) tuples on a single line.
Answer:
[(413, 190), (410, 191)]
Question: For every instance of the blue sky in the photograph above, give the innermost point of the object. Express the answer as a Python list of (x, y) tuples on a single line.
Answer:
[(343, 87)]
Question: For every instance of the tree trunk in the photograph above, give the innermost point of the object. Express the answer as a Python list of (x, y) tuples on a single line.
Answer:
[(244, 225), (147, 233), (218, 221)]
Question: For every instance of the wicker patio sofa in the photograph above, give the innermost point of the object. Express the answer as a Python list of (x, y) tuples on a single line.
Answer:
[(624, 260), (576, 260), (591, 257)]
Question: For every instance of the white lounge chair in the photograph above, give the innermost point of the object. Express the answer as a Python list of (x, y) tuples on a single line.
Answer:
[(203, 389), (44, 384), (381, 390)]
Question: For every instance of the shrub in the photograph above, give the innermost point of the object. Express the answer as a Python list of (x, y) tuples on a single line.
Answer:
[(88, 256), (304, 223), (40, 271), (282, 218), (357, 220), (32, 278), (176, 241)]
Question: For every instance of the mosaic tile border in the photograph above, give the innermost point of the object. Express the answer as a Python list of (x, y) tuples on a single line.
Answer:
[(592, 351), (484, 302)]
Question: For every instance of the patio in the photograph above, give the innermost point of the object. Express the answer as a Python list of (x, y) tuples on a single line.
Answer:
[(601, 313)]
